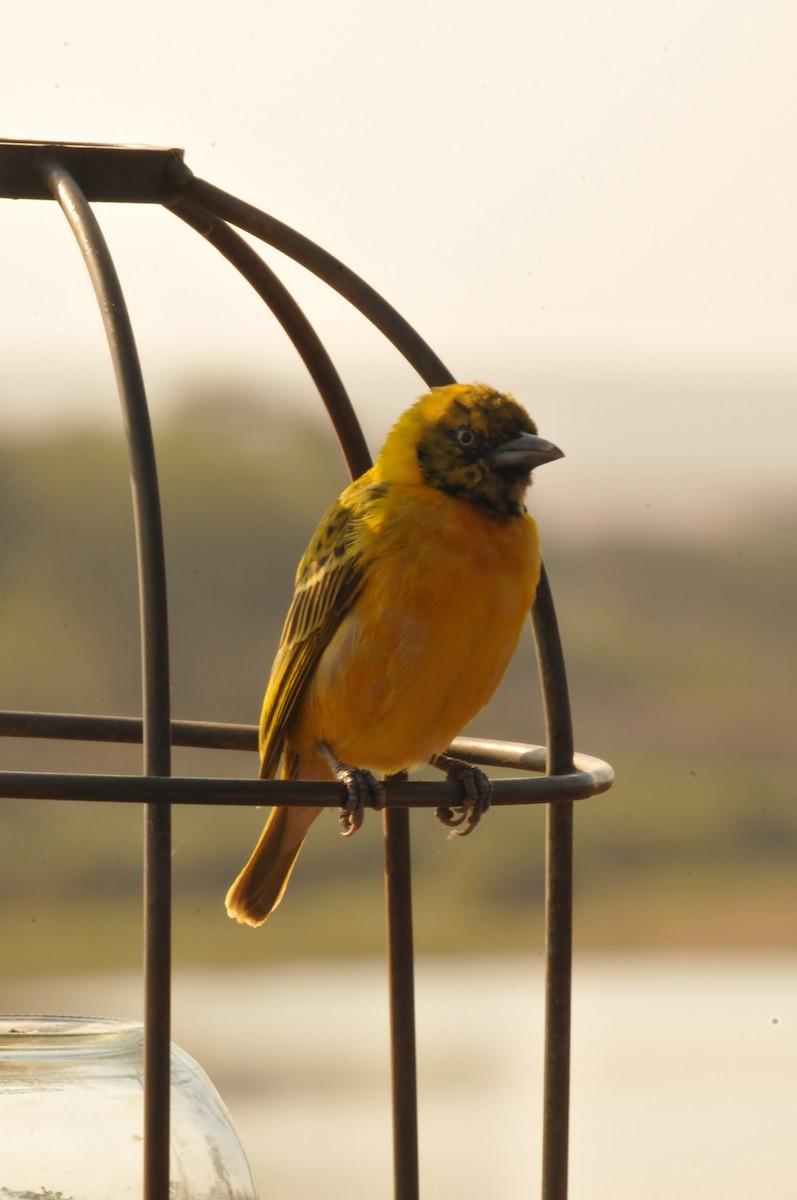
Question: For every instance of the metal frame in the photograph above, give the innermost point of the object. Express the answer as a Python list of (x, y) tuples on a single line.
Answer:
[(74, 175)]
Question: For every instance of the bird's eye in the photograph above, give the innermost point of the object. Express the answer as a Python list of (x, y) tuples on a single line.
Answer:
[(465, 437)]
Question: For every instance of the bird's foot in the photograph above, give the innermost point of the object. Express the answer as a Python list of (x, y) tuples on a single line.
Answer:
[(462, 819), (361, 787)]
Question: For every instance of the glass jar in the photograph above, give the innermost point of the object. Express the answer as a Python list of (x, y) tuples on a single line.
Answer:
[(72, 1115)]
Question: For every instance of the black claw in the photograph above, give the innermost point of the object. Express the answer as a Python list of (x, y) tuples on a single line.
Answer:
[(478, 790), (452, 817), (361, 786)]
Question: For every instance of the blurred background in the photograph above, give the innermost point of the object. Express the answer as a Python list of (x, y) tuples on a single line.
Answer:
[(590, 207)]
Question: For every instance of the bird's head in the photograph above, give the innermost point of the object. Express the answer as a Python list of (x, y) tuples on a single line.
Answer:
[(469, 441)]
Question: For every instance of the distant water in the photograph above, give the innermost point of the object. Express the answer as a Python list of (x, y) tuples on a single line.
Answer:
[(684, 1074)]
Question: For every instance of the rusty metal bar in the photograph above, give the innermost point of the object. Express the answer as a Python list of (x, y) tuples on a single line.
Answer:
[(401, 974), (155, 668), (121, 174), (75, 727), (558, 902), (588, 775), (323, 264), (309, 346), (185, 789)]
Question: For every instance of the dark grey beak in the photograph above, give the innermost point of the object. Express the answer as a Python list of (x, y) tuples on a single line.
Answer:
[(527, 450)]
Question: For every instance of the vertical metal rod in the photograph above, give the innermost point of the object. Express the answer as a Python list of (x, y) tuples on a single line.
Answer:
[(558, 986), (398, 896), (558, 902), (155, 670)]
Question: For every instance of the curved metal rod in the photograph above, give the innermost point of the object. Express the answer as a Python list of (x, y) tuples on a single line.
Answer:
[(155, 668), (143, 470), (309, 346), (323, 264), (556, 697), (195, 197), (558, 902), (173, 789), (216, 735), (196, 202)]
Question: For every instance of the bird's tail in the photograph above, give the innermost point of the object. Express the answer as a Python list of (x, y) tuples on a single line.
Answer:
[(261, 885)]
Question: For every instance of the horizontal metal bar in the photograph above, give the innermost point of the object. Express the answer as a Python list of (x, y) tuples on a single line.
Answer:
[(138, 789), (591, 777), (128, 174), (79, 728)]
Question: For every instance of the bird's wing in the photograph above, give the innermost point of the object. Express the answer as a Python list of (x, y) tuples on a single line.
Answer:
[(329, 578)]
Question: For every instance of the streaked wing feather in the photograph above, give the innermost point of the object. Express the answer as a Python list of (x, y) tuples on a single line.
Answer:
[(327, 581)]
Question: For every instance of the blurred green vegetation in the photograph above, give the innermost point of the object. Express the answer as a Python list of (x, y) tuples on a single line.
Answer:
[(681, 661)]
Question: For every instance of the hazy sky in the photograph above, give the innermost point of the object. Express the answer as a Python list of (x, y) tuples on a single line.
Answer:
[(591, 205)]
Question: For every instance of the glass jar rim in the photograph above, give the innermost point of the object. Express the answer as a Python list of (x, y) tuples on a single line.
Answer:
[(61, 1036)]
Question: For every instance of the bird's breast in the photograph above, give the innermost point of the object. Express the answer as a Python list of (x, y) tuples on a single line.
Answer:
[(446, 591)]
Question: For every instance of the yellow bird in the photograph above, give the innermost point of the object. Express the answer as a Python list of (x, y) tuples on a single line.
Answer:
[(408, 606)]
